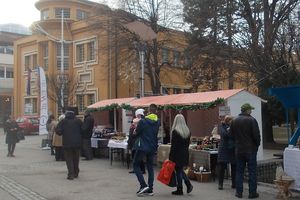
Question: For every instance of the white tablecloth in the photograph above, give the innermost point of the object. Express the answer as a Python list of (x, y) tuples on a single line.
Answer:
[(117, 144), (291, 162), (94, 142)]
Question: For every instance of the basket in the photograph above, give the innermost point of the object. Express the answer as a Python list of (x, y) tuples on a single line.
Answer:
[(202, 176), (191, 174)]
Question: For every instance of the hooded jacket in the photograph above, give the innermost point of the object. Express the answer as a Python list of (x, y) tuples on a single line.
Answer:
[(70, 129), (146, 134)]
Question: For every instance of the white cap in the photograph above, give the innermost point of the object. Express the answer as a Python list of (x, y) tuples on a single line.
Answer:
[(139, 111)]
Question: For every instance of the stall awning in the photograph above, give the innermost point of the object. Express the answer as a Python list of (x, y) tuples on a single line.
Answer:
[(185, 99), (102, 105)]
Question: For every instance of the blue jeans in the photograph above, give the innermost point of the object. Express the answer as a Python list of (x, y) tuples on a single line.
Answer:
[(138, 158), (180, 174), (241, 160)]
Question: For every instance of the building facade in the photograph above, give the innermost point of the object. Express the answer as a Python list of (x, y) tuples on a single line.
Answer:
[(83, 48), (8, 33)]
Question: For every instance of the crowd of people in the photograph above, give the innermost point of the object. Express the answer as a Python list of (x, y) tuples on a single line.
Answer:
[(238, 146)]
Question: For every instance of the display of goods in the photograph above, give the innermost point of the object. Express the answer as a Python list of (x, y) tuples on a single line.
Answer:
[(119, 136), (202, 176), (190, 173)]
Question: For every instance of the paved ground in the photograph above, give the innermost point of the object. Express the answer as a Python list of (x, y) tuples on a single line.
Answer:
[(34, 175)]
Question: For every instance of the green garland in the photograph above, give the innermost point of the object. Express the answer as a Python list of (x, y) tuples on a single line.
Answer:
[(193, 107)]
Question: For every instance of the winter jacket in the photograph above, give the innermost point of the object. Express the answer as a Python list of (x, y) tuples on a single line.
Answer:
[(70, 129), (226, 145), (179, 152), (146, 134), (11, 128), (245, 131), (87, 126)]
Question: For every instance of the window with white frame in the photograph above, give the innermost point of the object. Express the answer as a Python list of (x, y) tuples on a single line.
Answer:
[(45, 14), (91, 99), (45, 55), (59, 57), (30, 61), (80, 53), (176, 58), (86, 51), (9, 72), (176, 90), (30, 105), (165, 55), (81, 14), (80, 103), (66, 11)]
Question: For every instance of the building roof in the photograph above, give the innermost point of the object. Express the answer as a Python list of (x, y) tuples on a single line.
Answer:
[(175, 99)]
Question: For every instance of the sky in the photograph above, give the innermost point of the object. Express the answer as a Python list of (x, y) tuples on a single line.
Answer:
[(20, 12)]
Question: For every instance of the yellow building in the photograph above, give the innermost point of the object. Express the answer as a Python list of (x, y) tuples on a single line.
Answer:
[(96, 58)]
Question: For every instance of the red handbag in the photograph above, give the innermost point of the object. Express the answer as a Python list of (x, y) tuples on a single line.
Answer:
[(166, 171)]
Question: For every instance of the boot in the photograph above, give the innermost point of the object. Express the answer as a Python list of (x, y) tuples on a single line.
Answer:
[(189, 186), (178, 191)]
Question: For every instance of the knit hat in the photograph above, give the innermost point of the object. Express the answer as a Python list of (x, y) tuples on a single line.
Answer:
[(139, 111)]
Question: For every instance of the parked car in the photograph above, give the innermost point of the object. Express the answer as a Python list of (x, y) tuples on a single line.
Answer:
[(30, 124)]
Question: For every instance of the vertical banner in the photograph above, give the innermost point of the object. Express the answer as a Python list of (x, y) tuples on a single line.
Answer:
[(43, 102)]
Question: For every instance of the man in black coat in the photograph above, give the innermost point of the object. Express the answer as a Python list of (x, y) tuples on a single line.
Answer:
[(87, 132), (245, 131), (70, 129)]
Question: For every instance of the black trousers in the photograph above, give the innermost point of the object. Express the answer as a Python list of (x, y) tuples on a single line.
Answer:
[(59, 154), (72, 161), (142, 164), (222, 168), (87, 149)]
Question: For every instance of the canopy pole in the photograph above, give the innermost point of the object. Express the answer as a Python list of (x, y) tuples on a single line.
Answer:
[(115, 120)]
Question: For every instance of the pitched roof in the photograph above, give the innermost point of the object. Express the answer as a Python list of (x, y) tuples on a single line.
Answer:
[(108, 102)]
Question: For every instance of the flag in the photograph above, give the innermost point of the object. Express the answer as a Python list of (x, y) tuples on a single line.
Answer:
[(28, 89), (43, 102)]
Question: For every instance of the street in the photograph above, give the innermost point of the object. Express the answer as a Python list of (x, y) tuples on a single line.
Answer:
[(34, 175)]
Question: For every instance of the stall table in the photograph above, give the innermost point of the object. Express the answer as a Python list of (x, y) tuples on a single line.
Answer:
[(291, 164), (99, 143), (118, 147)]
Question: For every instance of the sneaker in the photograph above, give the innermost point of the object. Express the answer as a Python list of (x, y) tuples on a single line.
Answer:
[(142, 190), (253, 196), (239, 195), (148, 193)]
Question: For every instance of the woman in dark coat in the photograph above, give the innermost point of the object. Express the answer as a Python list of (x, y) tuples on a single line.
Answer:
[(179, 152), (11, 128), (226, 152)]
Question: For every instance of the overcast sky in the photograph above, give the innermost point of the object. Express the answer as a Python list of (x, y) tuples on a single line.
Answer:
[(21, 11)]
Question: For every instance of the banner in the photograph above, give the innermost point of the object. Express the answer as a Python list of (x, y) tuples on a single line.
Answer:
[(44, 102)]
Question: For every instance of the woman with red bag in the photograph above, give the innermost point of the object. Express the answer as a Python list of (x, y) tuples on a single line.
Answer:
[(179, 152)]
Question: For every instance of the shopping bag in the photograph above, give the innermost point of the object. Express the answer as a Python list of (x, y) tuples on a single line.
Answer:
[(166, 171)]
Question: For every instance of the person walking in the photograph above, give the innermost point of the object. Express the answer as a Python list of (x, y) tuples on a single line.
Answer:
[(51, 124), (179, 152), (226, 152), (70, 129), (57, 142), (87, 132), (146, 145), (11, 128), (245, 131), (139, 114)]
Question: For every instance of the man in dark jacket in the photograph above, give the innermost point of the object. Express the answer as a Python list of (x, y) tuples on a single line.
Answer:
[(87, 132), (70, 129), (146, 146), (245, 131)]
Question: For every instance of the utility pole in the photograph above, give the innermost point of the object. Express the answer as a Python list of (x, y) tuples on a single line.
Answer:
[(62, 59)]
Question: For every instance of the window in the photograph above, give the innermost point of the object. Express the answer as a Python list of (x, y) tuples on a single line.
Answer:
[(91, 99), (187, 60), (45, 14), (9, 73), (176, 90), (176, 58), (80, 14), (80, 103), (165, 90), (91, 50), (45, 55), (2, 72), (30, 61), (58, 12), (80, 53), (165, 55), (30, 105), (187, 90), (65, 58)]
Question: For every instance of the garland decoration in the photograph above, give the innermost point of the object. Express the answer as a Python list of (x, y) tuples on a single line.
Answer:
[(193, 107)]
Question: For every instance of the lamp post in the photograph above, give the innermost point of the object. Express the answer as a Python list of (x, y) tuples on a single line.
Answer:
[(142, 49), (62, 59)]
